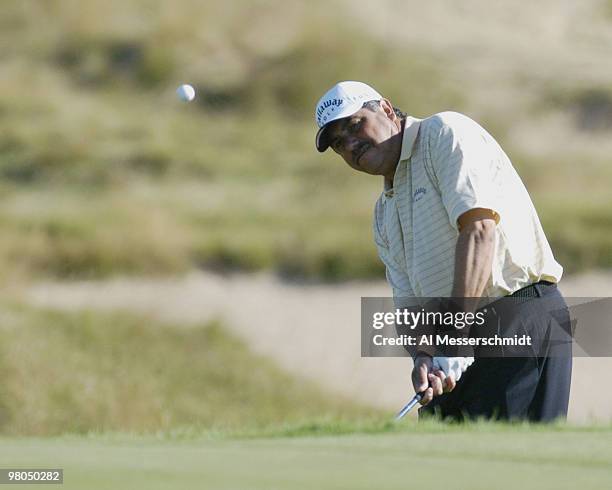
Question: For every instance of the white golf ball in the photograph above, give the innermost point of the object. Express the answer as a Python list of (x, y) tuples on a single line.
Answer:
[(186, 93)]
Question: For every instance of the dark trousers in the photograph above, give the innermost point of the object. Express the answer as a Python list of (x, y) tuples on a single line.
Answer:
[(531, 387)]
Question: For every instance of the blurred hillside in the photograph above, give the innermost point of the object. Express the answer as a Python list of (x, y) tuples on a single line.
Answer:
[(103, 171), (89, 372)]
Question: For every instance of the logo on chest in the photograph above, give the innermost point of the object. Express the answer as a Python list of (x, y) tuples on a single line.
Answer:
[(419, 194)]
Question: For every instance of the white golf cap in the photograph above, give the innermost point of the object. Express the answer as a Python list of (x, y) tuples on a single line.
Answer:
[(342, 100)]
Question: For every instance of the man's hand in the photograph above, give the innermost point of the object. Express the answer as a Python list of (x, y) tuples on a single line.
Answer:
[(429, 381)]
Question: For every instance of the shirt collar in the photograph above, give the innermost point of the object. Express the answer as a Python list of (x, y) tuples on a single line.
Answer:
[(411, 130)]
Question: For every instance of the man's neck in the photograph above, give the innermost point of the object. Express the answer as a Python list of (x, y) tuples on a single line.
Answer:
[(388, 182)]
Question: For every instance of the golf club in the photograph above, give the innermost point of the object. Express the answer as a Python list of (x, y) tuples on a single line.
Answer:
[(409, 406)]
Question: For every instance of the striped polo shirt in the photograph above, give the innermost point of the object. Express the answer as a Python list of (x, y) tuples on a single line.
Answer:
[(448, 165)]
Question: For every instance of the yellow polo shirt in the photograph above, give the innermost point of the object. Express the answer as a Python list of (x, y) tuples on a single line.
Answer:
[(448, 165)]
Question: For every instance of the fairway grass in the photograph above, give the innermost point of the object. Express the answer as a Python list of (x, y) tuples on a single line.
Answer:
[(480, 456)]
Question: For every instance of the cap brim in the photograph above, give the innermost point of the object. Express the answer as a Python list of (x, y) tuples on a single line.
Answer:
[(322, 139)]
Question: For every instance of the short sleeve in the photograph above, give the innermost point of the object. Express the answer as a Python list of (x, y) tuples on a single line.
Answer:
[(466, 164)]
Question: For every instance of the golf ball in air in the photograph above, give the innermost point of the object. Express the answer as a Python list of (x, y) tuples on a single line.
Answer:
[(186, 93)]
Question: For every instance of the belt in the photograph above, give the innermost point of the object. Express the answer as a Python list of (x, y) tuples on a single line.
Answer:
[(535, 290)]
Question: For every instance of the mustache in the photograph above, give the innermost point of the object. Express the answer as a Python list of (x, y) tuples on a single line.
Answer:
[(360, 150)]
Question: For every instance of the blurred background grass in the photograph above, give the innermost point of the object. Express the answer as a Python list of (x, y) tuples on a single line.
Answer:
[(103, 171), (89, 372)]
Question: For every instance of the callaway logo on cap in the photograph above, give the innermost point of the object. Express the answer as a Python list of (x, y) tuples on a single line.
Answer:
[(343, 100)]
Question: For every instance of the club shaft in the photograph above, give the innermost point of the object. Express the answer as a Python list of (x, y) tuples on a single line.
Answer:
[(409, 406)]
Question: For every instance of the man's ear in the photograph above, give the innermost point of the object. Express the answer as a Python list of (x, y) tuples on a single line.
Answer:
[(388, 108)]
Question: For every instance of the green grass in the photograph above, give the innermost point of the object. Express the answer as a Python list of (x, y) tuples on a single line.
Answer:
[(103, 172), (82, 372), (586, 242), (480, 456)]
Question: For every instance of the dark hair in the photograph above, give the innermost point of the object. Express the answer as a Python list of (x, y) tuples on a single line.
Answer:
[(372, 105)]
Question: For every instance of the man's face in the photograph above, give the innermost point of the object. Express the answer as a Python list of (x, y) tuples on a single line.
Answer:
[(369, 140)]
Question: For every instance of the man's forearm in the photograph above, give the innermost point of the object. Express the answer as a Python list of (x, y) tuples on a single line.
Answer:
[(473, 261)]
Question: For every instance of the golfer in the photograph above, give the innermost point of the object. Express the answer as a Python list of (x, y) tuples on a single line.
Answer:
[(454, 220)]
